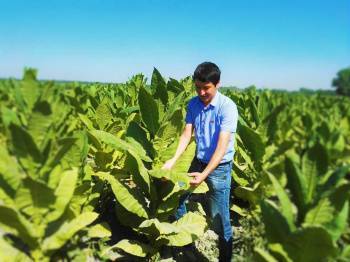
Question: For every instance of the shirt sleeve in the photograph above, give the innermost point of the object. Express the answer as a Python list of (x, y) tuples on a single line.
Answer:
[(229, 117), (189, 118)]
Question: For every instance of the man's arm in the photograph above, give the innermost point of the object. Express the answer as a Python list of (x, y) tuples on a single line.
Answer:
[(185, 139), (223, 141)]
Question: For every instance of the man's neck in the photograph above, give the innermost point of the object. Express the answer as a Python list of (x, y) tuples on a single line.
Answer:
[(211, 100)]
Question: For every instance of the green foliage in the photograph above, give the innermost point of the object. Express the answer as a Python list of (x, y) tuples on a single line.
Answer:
[(72, 154), (149, 111), (342, 82), (132, 247)]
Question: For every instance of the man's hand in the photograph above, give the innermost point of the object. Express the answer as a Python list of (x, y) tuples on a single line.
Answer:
[(169, 164), (197, 178)]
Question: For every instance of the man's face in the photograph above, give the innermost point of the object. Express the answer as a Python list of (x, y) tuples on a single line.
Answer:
[(206, 91)]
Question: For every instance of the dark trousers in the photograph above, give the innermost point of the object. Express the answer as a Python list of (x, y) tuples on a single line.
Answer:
[(217, 198)]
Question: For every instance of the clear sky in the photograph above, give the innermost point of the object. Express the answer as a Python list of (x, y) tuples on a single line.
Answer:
[(272, 43)]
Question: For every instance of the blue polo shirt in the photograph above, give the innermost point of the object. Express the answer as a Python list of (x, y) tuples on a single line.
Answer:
[(220, 115)]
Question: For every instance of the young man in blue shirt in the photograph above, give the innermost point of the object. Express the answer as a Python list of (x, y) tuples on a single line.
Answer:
[(213, 118)]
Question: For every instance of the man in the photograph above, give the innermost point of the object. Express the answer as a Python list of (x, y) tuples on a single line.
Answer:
[(213, 117)]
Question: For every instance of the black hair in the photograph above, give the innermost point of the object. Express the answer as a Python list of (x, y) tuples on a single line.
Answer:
[(207, 72)]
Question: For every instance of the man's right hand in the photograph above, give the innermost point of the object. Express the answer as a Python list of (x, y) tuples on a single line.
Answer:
[(169, 164)]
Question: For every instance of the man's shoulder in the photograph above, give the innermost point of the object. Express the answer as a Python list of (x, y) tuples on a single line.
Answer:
[(193, 101), (227, 102)]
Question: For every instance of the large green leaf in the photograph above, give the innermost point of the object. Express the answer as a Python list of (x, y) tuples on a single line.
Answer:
[(84, 198), (9, 253), (172, 175), (87, 122), (39, 123), (156, 228), (18, 97), (30, 89), (34, 198), (174, 86), (286, 204), (338, 143), (271, 121), (25, 149), (103, 114), (190, 227), (263, 107), (140, 174), (184, 162), (252, 141), (324, 131), (99, 231), (76, 152), (136, 149), (174, 105), (131, 202), (322, 213), (5, 199), (160, 87), (64, 145), (340, 201), (200, 189), (132, 247), (10, 175), (9, 116), (30, 74), (254, 111), (311, 244), (250, 194), (126, 217), (68, 230), (335, 178), (276, 225), (314, 164), (187, 83), (169, 203), (331, 212), (261, 255), (168, 132), (132, 147), (139, 134), (279, 252), (297, 186), (13, 222), (63, 194), (345, 254), (149, 111)]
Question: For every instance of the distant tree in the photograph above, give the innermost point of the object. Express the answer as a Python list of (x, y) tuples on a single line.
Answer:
[(342, 82)]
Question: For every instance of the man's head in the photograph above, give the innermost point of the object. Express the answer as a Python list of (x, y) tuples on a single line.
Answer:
[(206, 78)]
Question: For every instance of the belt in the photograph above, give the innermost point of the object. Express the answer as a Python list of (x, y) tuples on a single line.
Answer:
[(205, 164)]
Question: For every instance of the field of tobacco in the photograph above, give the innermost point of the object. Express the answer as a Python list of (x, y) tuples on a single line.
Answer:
[(80, 174)]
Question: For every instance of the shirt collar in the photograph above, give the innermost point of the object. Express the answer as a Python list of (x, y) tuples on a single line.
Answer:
[(215, 100)]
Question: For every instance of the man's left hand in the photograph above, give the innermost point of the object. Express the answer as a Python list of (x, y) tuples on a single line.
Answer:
[(197, 178)]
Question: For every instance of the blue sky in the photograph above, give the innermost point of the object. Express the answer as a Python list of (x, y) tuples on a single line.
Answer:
[(275, 44)]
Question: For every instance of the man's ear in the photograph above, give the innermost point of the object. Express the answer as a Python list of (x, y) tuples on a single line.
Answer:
[(217, 85)]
